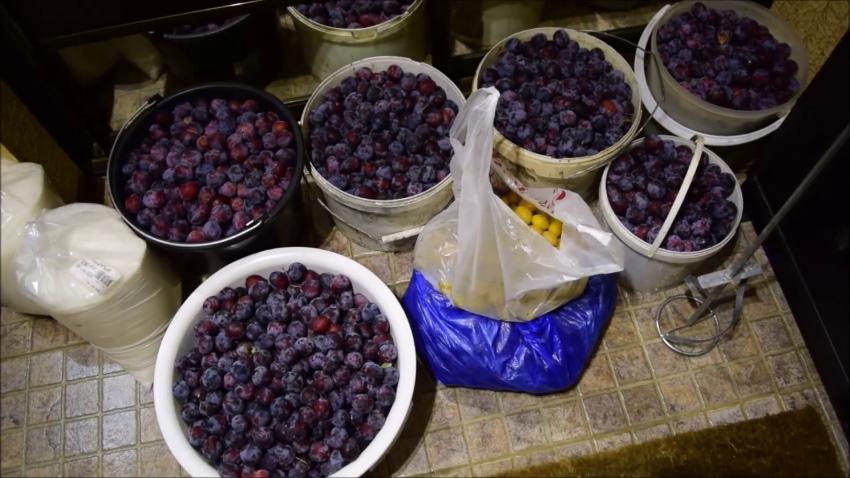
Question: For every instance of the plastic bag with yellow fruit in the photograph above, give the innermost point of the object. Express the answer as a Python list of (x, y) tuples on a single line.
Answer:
[(492, 261)]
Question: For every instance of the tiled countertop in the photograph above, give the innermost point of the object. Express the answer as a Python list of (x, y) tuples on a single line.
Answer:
[(66, 410)]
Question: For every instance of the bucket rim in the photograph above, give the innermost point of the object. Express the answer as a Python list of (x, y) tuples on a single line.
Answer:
[(642, 247), (236, 20)]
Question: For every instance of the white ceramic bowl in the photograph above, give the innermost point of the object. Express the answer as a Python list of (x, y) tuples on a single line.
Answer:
[(179, 339)]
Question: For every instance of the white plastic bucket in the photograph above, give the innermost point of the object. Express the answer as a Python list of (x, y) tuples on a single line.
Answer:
[(643, 273), (389, 225), (576, 174), (179, 339), (327, 48)]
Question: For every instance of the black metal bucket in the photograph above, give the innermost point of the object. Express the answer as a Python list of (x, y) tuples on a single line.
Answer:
[(274, 230)]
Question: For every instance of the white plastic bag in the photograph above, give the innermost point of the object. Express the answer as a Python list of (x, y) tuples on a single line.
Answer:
[(84, 266), (484, 257), (24, 193)]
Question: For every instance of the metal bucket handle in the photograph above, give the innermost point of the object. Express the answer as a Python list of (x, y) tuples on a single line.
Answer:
[(680, 197)]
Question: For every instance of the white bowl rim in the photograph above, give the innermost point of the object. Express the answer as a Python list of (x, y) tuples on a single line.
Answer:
[(365, 281)]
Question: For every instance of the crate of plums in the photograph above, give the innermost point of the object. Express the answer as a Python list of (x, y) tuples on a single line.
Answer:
[(334, 33), (207, 170), (639, 189), (725, 67), (569, 104), (378, 141)]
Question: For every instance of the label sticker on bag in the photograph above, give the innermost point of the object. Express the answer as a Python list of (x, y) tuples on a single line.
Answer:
[(95, 274)]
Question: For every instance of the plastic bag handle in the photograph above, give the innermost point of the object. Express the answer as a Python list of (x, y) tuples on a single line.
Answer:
[(680, 197)]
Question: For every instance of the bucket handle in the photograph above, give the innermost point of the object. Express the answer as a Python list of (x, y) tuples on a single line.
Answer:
[(385, 239), (680, 197)]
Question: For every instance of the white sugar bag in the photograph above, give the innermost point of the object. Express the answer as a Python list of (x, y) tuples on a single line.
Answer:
[(89, 271), (24, 193)]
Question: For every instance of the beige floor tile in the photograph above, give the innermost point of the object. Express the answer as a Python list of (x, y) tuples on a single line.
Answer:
[(689, 424), (645, 321), (48, 334), (605, 412), (81, 398), (119, 392), (157, 461), (15, 338), (621, 331), (565, 421), (46, 368), (402, 265), (118, 429), (85, 467), (13, 374), (642, 403), (43, 443), (81, 437), (724, 416), (514, 402), (787, 369), (45, 471), (799, 399), (771, 334), (739, 343), (446, 448), (597, 376), (630, 366), (45, 405), (408, 457), (715, 385), (712, 358), (110, 366), (761, 407), (463, 471), (487, 439), (612, 442), (526, 430), (665, 361), (759, 302), (121, 464), (477, 403), (446, 411), (12, 451), (380, 265), (145, 394), (13, 411), (751, 377), (149, 427), (654, 432), (679, 394), (81, 362), (492, 468)]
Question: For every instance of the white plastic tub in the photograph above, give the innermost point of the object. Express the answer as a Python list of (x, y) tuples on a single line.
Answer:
[(643, 273), (179, 339), (327, 49), (576, 174), (388, 225)]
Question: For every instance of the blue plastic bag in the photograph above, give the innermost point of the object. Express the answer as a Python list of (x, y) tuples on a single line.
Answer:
[(544, 355)]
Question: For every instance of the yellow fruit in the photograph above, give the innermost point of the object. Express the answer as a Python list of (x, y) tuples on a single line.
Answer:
[(528, 205), (553, 239), (537, 227), (512, 198), (540, 221), (524, 213), (555, 227)]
